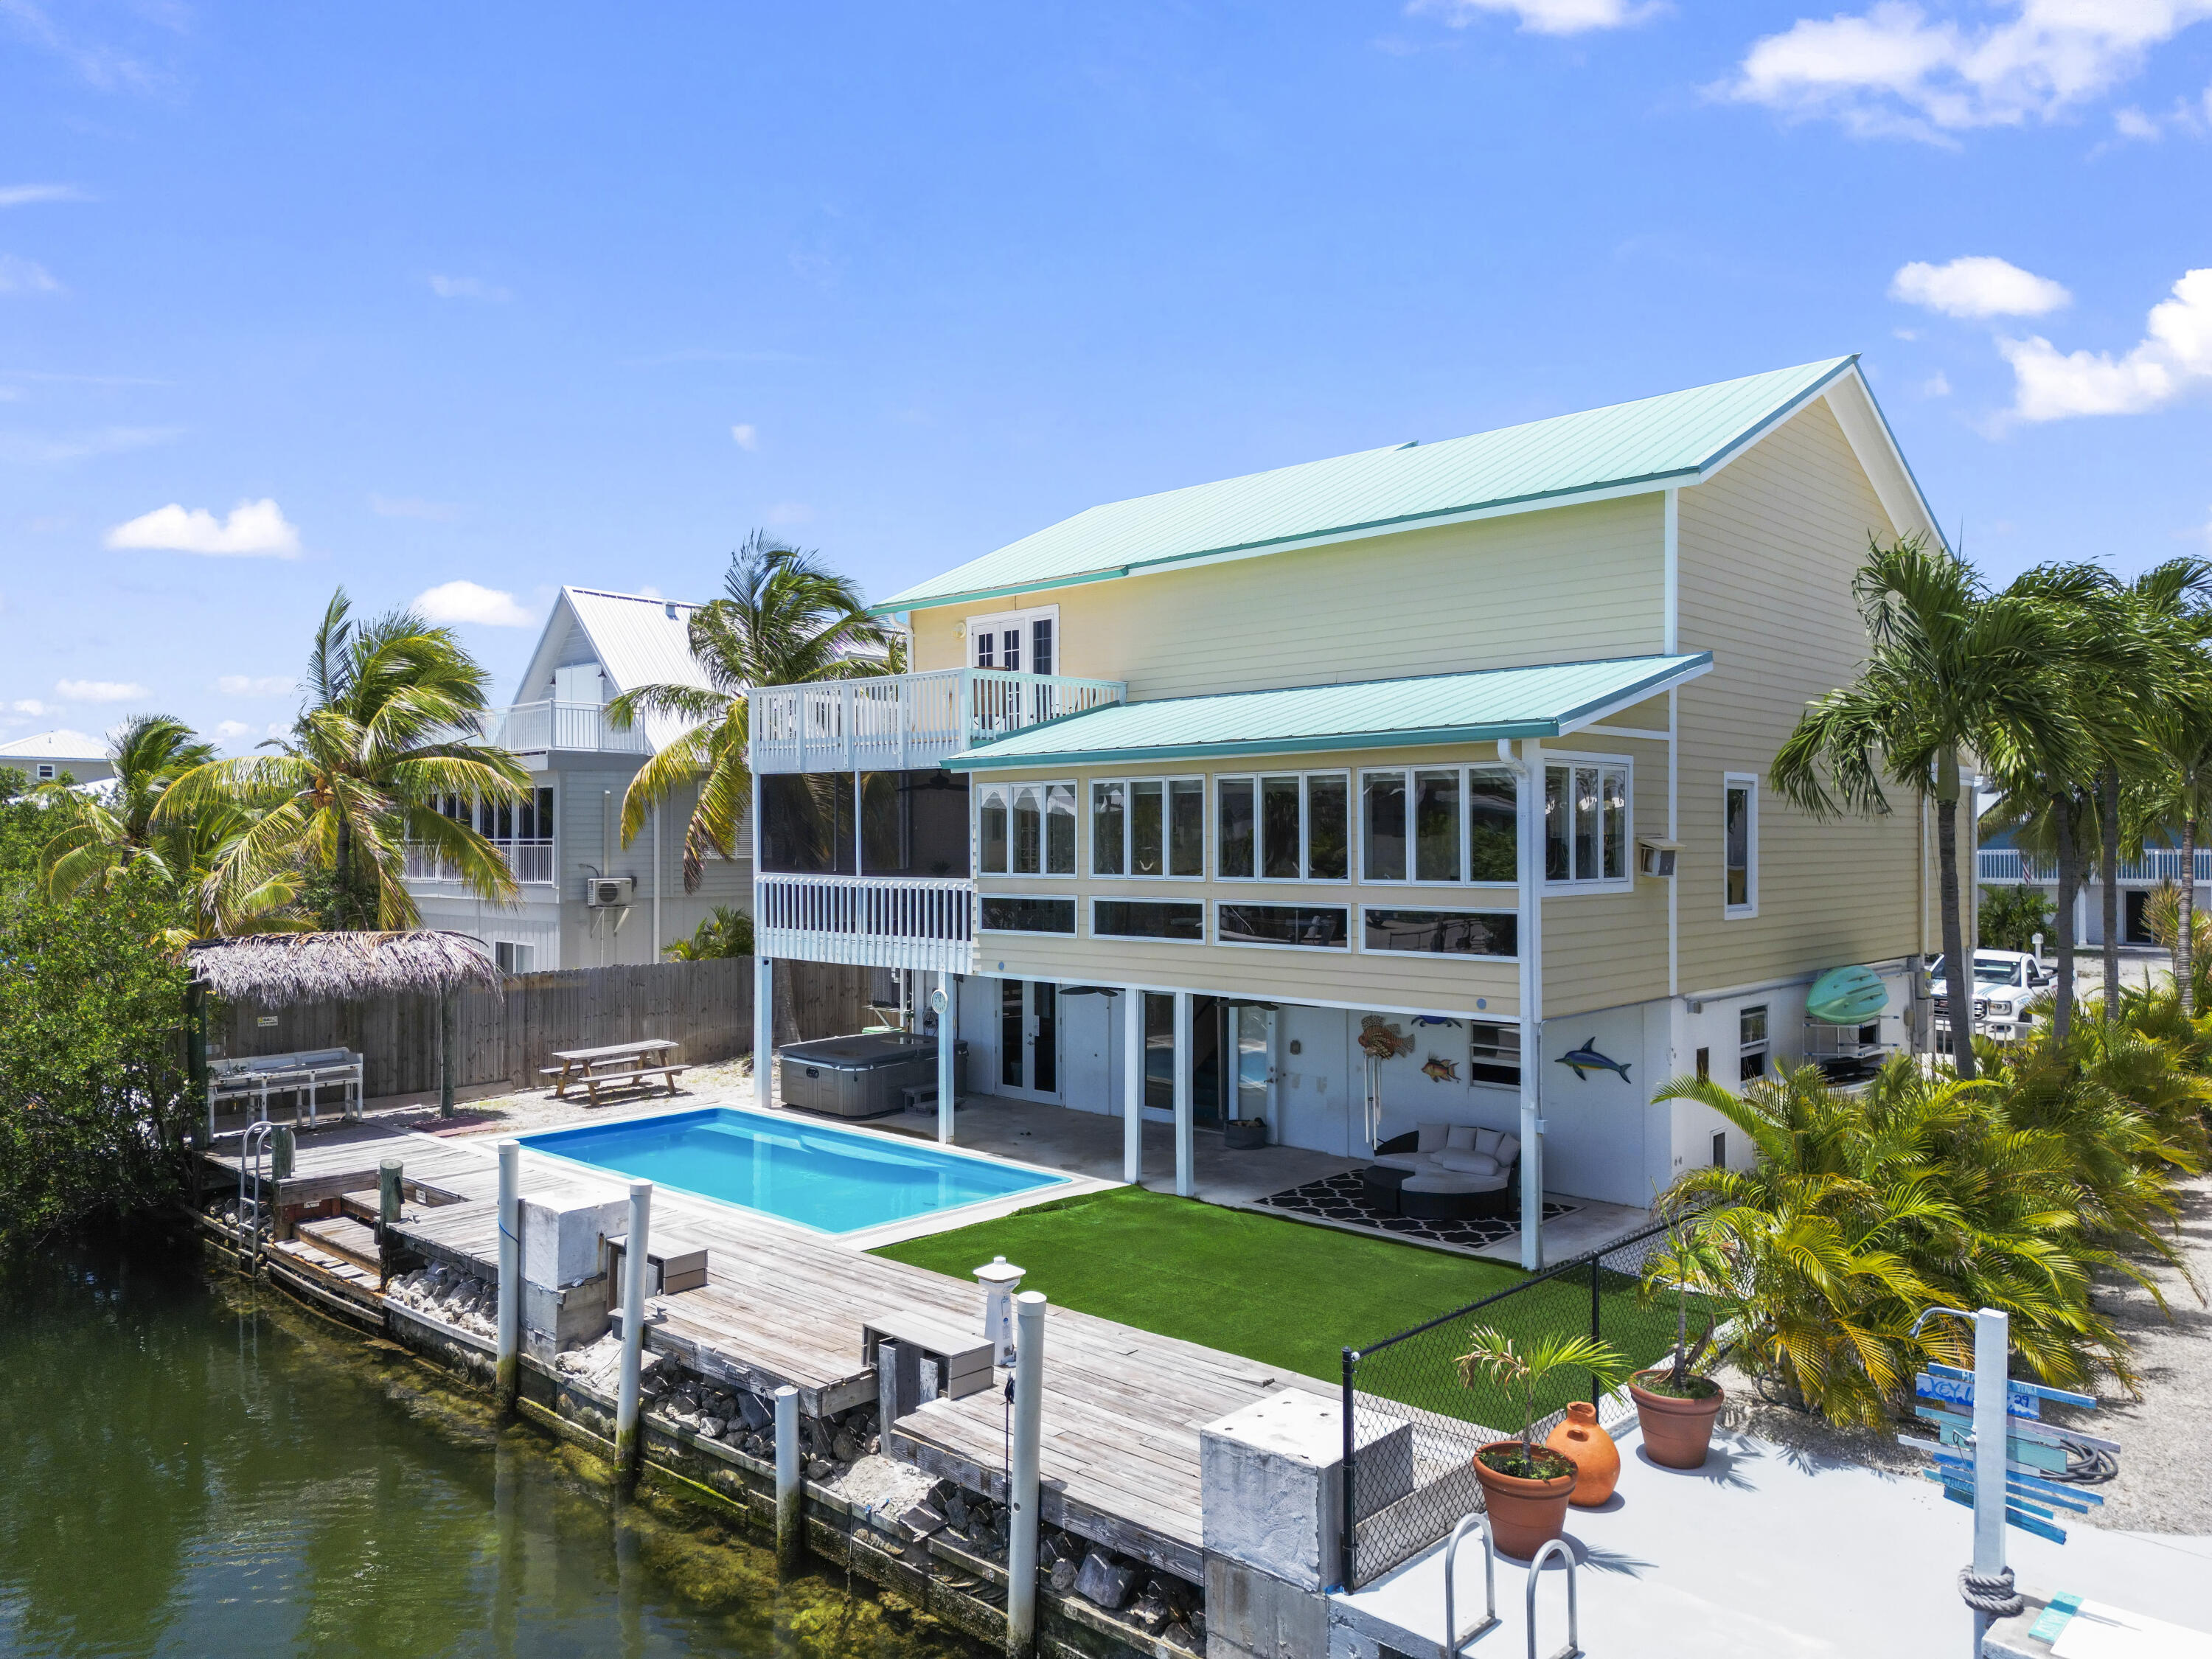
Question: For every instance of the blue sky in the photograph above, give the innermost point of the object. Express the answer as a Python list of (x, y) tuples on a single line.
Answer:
[(406, 296)]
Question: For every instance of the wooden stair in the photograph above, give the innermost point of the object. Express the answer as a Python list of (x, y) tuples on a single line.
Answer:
[(345, 1238), (337, 1279)]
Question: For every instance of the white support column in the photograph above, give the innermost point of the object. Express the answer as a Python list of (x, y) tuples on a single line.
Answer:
[(1029, 1422), (1992, 1389), (1185, 1149), (763, 1030), (1133, 1084), (635, 1242), (1531, 838), (507, 1378), (947, 1003)]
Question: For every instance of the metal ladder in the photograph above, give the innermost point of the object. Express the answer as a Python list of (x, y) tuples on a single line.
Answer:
[(1559, 1547), (1455, 1637), (252, 1154)]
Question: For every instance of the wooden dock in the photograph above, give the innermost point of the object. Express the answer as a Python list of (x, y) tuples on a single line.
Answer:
[(1123, 1408)]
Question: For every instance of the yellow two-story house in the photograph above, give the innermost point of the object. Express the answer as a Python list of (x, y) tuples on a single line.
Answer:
[(1459, 747)]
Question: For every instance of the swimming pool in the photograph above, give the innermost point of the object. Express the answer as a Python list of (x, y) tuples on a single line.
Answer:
[(830, 1180)]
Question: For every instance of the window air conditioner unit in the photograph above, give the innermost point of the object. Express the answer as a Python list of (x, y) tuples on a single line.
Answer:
[(1656, 857), (608, 892)]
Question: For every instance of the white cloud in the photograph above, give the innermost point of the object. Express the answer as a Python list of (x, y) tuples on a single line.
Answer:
[(745, 437), (232, 728), (1977, 286), (468, 287), (32, 705), (1937, 384), (1540, 16), (2173, 357), (2132, 123), (251, 685), (790, 513), (413, 507), (1894, 69), (100, 691), (19, 276), (25, 195), (253, 529), (466, 602)]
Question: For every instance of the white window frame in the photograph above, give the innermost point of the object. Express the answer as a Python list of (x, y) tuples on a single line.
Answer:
[(47, 771), (1350, 920), (1097, 899), (978, 792), (1748, 783), (1351, 777), (1466, 787), (1028, 933), (519, 955), (998, 622), (1763, 1046), (1367, 950), (1621, 883), (1090, 830)]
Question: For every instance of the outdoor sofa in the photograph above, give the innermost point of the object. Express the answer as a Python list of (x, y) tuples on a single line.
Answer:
[(1446, 1172)]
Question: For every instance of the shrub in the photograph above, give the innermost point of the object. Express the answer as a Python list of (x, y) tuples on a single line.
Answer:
[(2010, 917)]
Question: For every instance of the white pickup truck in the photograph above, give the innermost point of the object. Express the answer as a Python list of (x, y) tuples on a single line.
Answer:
[(2011, 992)]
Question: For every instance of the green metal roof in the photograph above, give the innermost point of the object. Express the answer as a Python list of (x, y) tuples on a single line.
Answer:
[(1495, 702), (1652, 441)]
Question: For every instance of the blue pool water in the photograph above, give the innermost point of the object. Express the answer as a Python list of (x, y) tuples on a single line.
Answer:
[(831, 1180)]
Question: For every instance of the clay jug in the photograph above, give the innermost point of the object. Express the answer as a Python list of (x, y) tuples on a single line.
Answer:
[(1597, 1460)]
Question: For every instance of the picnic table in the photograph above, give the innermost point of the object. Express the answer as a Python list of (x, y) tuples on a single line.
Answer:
[(614, 1066)]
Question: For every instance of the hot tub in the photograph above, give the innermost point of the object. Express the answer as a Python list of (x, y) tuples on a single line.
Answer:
[(864, 1075)]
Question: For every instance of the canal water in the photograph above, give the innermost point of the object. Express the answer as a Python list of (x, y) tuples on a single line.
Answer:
[(189, 1466)]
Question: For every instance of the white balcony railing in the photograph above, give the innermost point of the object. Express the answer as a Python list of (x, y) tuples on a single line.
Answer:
[(894, 722), (530, 861), (2004, 867), (525, 727), (871, 921)]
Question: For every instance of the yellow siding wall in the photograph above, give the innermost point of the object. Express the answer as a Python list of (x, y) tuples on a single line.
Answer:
[(1576, 583), (1767, 551)]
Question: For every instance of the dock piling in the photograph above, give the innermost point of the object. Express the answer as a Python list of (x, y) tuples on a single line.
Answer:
[(627, 1443), (790, 1521), (1022, 1497), (283, 1151), (508, 1379), (387, 1194)]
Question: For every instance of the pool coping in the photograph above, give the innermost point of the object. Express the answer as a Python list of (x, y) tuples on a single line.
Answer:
[(1058, 1184)]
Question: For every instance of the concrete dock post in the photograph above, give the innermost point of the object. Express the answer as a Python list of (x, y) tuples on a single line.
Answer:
[(627, 1444), (1022, 1496), (790, 1517), (507, 1379)]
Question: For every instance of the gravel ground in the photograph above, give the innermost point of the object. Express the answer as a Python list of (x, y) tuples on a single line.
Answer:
[(2164, 1479)]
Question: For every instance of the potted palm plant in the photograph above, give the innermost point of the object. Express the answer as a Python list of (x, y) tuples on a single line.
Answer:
[(1676, 1404), (1525, 1484)]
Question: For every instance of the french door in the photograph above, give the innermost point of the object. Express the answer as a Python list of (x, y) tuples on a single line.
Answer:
[(1029, 1039)]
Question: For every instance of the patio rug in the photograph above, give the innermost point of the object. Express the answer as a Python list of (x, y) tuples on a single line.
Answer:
[(1343, 1198)]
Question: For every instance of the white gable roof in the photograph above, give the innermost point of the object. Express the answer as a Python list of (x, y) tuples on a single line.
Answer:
[(61, 745), (636, 638)]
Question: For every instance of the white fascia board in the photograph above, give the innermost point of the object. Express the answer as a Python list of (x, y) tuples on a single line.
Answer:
[(558, 621), (1868, 430), (1640, 694)]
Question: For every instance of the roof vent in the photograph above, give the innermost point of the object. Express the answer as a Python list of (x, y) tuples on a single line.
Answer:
[(1411, 443), (669, 609)]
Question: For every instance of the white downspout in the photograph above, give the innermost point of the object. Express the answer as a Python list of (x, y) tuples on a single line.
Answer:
[(1528, 771), (1670, 642), (656, 883)]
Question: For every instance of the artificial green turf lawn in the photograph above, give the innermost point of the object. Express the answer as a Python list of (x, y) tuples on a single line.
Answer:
[(1282, 1292)]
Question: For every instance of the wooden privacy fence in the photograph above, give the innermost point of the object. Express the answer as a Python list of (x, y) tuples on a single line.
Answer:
[(507, 1035)]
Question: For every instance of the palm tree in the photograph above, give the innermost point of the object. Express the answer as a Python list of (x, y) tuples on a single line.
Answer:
[(2177, 730), (783, 619), (388, 736), (1952, 669)]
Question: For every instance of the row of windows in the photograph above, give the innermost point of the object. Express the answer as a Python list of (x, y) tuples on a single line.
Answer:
[(531, 819), (1439, 825), (1392, 930)]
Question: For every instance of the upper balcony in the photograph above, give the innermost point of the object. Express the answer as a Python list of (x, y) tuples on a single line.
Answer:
[(899, 722), (534, 727)]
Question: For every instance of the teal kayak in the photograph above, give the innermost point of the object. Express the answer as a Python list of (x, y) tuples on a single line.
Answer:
[(1847, 996)]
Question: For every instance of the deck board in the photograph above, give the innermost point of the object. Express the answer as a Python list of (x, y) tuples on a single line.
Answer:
[(1123, 1408)]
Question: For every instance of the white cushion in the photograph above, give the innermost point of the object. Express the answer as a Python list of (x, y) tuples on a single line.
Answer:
[(1451, 1181), (1486, 1140), (1509, 1148), (1461, 1138), (1430, 1137), (1419, 1162), (1467, 1162)]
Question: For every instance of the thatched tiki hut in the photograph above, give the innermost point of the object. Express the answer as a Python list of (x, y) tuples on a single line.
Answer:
[(275, 970)]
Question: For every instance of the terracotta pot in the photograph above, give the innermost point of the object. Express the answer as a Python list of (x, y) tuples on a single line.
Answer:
[(1676, 1432), (1597, 1459), (1523, 1513)]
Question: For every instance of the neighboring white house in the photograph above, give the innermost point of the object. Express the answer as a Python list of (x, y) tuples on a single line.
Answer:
[(587, 901), (2158, 865), (51, 755)]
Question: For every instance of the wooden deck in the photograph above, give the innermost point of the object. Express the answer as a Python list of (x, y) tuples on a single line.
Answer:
[(1123, 1408)]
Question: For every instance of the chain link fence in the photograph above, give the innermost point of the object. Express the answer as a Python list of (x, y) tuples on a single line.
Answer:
[(1411, 1427)]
